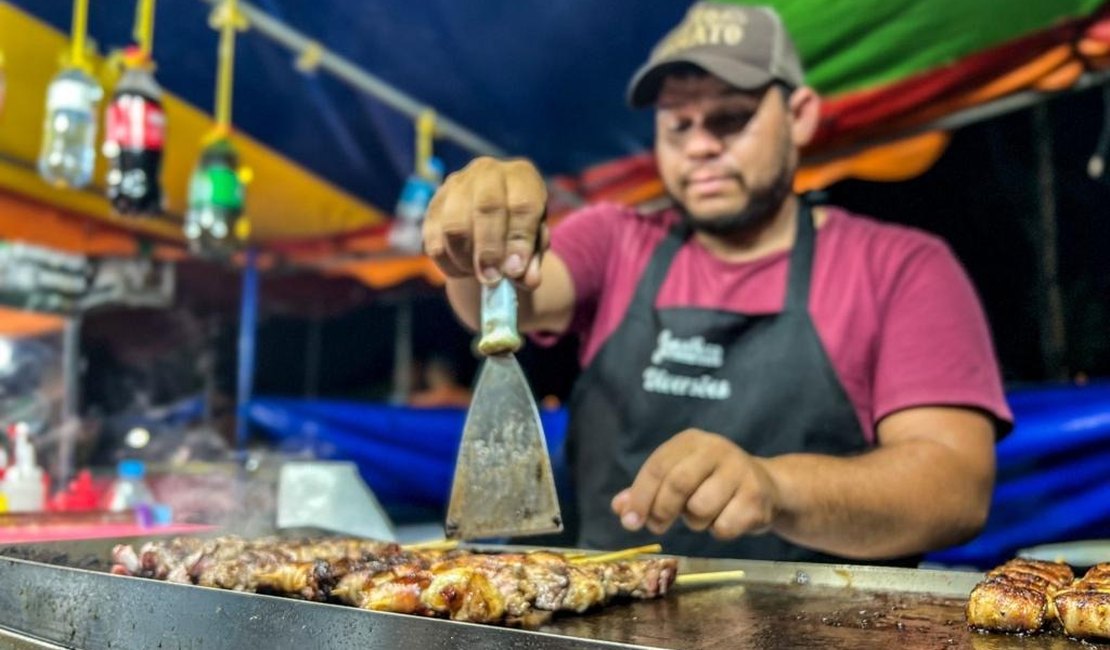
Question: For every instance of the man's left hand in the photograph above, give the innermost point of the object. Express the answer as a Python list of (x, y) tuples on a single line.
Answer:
[(707, 480)]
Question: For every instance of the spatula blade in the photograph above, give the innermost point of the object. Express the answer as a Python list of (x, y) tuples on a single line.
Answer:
[(503, 481)]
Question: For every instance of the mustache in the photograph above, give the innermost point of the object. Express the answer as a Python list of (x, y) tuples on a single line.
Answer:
[(686, 178)]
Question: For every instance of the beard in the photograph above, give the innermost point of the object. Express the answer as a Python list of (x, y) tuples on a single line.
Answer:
[(762, 205)]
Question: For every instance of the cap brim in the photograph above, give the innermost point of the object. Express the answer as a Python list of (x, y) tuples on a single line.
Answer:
[(644, 88)]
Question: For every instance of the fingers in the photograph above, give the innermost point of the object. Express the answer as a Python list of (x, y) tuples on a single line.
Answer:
[(487, 221), (526, 200), (620, 502), (435, 240), (709, 500), (739, 517), (704, 478), (681, 482), (641, 495), (489, 214), (749, 511), (668, 478), (533, 273), (457, 233)]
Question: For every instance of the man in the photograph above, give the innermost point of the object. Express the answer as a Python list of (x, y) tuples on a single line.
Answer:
[(761, 378)]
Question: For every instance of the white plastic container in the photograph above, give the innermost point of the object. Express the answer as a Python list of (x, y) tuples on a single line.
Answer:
[(23, 485)]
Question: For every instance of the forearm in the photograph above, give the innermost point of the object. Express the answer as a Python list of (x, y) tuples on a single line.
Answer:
[(886, 503)]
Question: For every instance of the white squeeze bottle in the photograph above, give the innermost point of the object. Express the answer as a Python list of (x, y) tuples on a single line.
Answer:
[(23, 481)]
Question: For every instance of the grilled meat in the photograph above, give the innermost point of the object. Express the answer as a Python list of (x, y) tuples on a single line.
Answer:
[(487, 587), (1084, 608), (1000, 605), (506, 588), (1017, 596), (520, 589), (1056, 574)]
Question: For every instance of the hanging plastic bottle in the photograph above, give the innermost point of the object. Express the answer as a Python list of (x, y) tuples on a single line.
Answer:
[(130, 491), (405, 233), (134, 135), (216, 199), (69, 132)]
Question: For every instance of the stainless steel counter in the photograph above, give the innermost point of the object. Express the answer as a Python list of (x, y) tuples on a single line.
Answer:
[(62, 595)]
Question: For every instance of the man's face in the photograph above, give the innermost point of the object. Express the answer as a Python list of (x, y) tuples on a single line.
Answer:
[(725, 155)]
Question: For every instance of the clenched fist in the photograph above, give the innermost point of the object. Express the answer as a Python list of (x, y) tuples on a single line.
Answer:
[(486, 221), (707, 480)]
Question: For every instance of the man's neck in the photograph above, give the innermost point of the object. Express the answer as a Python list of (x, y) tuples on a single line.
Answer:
[(770, 236)]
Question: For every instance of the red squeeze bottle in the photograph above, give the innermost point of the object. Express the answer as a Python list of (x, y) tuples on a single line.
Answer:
[(80, 496)]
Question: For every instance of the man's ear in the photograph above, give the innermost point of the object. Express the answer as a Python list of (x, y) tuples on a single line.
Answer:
[(805, 109)]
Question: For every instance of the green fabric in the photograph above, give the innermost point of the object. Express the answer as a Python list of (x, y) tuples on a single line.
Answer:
[(850, 45)]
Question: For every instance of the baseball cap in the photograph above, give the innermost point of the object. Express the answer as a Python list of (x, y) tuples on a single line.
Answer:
[(746, 46)]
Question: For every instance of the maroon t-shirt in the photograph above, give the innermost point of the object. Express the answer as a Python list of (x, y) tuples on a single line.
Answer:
[(896, 313)]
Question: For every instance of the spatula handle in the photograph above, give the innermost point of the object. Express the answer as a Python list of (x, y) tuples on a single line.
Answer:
[(499, 333)]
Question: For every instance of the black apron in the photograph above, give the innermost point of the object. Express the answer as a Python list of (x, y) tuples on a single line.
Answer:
[(763, 381)]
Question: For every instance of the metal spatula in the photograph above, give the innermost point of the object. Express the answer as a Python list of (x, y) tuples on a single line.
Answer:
[(503, 482)]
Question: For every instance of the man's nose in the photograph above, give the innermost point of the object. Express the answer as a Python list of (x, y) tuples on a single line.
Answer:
[(703, 143)]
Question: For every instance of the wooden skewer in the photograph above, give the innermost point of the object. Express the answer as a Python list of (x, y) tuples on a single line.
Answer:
[(711, 577), (618, 555), (433, 545)]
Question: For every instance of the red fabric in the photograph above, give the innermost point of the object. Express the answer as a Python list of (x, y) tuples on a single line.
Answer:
[(895, 311), (854, 114)]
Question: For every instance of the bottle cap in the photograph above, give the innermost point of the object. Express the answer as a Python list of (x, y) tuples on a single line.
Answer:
[(131, 468)]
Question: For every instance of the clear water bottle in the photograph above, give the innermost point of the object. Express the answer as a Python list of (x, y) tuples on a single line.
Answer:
[(69, 132), (405, 233), (130, 491)]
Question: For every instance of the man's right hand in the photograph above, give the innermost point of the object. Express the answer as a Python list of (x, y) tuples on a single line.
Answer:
[(487, 222)]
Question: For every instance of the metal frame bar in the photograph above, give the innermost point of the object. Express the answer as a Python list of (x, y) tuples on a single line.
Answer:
[(358, 78), (248, 330)]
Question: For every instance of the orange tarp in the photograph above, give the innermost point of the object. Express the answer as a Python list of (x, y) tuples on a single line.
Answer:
[(16, 323)]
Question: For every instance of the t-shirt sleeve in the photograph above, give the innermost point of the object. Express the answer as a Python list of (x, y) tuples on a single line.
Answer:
[(583, 240), (934, 346)]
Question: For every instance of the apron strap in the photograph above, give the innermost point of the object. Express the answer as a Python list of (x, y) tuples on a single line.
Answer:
[(798, 282), (651, 281), (801, 260)]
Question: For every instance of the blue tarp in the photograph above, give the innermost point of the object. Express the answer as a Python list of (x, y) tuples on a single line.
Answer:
[(1052, 469), (407, 456)]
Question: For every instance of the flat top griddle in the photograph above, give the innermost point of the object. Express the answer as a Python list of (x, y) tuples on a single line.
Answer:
[(60, 593)]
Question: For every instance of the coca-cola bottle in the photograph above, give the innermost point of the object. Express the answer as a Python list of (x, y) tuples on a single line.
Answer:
[(134, 134)]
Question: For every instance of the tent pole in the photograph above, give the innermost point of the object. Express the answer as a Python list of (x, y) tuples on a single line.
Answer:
[(248, 323), (71, 380), (1053, 334), (402, 351)]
